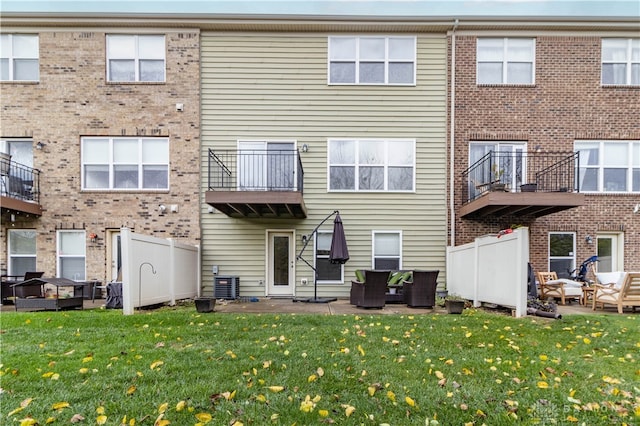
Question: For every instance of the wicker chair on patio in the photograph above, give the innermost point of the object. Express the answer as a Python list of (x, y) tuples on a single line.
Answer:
[(421, 291), (371, 292)]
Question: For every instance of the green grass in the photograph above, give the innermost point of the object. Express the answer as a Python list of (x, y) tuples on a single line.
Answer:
[(478, 368)]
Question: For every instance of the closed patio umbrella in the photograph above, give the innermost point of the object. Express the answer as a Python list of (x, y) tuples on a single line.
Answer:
[(339, 252)]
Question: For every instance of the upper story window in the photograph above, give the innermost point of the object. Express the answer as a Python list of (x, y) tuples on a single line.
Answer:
[(125, 163), (609, 166), (19, 57), (506, 61), (135, 58), (621, 61), (372, 60), (371, 165)]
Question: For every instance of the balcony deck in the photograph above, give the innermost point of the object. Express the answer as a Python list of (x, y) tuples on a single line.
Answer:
[(521, 203), (19, 188), (535, 185), (256, 184)]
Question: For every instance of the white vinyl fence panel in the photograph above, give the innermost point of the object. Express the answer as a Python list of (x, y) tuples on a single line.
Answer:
[(156, 270), (491, 269)]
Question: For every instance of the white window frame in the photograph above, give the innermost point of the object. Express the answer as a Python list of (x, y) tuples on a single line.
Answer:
[(505, 61), (138, 56), (10, 235), (357, 59), (10, 54), (629, 61), (60, 255), (357, 165), (374, 255), (632, 158), (111, 164), (325, 256), (570, 257)]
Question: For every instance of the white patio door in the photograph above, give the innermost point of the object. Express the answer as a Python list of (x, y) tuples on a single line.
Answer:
[(115, 257), (280, 263), (610, 257), (266, 166)]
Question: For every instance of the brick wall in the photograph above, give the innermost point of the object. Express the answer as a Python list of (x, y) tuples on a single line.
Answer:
[(566, 103), (73, 99)]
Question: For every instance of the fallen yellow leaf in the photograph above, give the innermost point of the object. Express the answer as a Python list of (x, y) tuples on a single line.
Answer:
[(59, 405), (101, 419), (349, 410), (276, 388), (131, 390), (410, 401), (203, 417)]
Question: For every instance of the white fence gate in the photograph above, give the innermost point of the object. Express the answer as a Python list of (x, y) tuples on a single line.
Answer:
[(156, 270), (491, 269)]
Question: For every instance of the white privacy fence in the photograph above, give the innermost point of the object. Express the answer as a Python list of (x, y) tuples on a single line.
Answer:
[(491, 269), (156, 270)]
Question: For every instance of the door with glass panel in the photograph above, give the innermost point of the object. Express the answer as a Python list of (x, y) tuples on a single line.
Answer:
[(280, 264), (609, 251), (266, 166), (508, 165)]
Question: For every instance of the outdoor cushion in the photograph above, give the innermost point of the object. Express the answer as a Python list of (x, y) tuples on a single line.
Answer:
[(566, 282), (406, 276), (617, 278), (359, 275), (395, 278)]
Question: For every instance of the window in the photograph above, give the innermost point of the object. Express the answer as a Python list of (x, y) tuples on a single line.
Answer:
[(562, 258), (609, 166), (22, 251), (506, 61), (387, 253), (132, 58), (621, 61), (125, 163), (71, 255), (267, 165), (327, 272), (371, 165), (19, 57), (372, 60)]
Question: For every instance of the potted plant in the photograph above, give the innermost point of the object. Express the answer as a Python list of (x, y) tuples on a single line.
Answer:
[(455, 304), (205, 304), (496, 178), (529, 187)]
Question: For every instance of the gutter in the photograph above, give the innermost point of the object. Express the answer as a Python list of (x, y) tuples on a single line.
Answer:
[(452, 139)]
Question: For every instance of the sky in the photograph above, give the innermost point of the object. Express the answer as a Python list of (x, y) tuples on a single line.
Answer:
[(338, 8)]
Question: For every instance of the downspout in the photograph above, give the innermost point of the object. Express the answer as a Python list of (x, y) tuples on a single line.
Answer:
[(452, 139)]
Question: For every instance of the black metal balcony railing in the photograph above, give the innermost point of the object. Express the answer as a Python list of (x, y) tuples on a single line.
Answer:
[(255, 170), (19, 181), (521, 171)]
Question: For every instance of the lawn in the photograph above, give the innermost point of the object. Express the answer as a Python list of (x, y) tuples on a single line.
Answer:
[(175, 366)]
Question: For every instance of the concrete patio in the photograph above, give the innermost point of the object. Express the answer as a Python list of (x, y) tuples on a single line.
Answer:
[(338, 307)]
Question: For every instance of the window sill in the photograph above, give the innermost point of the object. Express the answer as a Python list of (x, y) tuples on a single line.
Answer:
[(19, 81), (528, 85), (143, 83), (620, 86)]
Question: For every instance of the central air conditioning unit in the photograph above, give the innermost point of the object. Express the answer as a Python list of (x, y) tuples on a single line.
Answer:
[(226, 287)]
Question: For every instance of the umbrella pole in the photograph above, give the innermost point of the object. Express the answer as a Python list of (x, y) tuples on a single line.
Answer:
[(315, 298)]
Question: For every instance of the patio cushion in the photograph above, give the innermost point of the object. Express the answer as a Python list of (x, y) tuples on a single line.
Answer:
[(359, 275), (617, 278)]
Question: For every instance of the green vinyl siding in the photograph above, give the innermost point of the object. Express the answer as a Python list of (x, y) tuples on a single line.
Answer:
[(274, 86)]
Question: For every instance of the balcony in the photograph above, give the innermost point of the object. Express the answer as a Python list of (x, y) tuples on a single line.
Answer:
[(256, 183), (19, 188), (521, 183)]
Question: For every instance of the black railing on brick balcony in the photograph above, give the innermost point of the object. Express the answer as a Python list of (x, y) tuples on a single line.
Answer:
[(255, 170), (521, 172), (19, 181)]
